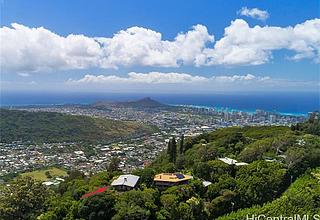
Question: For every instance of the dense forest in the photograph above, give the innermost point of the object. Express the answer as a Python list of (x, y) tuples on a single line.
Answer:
[(56, 127), (281, 177)]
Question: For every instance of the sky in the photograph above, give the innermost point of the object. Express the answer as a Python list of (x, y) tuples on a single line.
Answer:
[(160, 46)]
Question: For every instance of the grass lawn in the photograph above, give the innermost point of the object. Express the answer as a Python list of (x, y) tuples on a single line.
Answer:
[(40, 175)]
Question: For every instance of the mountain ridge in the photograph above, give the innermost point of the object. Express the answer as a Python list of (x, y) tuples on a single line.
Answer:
[(57, 127), (145, 102)]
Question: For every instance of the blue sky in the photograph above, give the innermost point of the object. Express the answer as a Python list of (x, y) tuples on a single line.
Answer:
[(276, 58)]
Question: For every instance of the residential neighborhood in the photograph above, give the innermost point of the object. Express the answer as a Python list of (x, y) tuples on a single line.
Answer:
[(133, 153)]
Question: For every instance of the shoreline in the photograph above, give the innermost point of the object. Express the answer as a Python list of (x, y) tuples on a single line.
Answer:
[(217, 108)]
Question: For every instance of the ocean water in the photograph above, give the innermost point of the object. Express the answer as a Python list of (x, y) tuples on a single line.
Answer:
[(296, 103)]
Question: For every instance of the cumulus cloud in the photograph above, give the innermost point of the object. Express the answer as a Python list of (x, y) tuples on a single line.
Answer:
[(141, 46), (34, 49), (254, 13), (245, 45), (162, 78), (25, 49)]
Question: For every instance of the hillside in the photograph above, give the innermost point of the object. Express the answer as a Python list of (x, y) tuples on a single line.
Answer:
[(275, 155), (301, 198), (281, 177), (141, 103), (55, 127)]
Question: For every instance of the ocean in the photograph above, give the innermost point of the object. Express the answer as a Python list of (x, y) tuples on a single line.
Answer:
[(294, 103)]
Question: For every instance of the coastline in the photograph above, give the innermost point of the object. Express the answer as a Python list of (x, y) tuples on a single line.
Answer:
[(228, 109), (216, 108), (295, 104)]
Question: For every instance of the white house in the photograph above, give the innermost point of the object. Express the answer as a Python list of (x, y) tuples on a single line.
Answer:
[(125, 182)]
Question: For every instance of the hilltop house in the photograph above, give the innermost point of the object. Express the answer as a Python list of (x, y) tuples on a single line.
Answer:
[(230, 161), (164, 180), (125, 182)]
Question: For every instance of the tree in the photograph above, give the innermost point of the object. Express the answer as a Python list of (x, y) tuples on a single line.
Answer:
[(24, 198), (98, 207), (61, 208), (75, 174), (311, 126), (169, 148), (114, 164), (184, 211), (146, 176), (169, 202), (181, 148), (211, 170), (181, 202), (256, 150), (222, 204), (174, 150), (180, 162), (260, 182), (48, 174), (188, 144), (225, 183), (302, 197), (136, 204)]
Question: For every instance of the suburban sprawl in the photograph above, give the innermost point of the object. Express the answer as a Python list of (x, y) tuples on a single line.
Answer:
[(134, 152)]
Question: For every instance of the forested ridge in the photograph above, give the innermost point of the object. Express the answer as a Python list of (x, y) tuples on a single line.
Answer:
[(16, 125), (282, 177)]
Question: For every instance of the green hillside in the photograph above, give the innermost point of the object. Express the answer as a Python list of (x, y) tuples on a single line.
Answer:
[(301, 198), (55, 127), (282, 177)]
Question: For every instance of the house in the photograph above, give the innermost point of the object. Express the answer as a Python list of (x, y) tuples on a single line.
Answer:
[(241, 164), (125, 182), (206, 183), (51, 183), (164, 180), (230, 161)]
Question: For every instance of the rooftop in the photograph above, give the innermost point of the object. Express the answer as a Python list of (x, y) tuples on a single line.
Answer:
[(172, 177), (230, 161), (126, 180), (206, 183)]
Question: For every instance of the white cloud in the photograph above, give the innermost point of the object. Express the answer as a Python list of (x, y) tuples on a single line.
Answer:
[(24, 74), (154, 82), (254, 13), (25, 49), (149, 78), (140, 46), (162, 78), (243, 45), (237, 78), (34, 49)]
